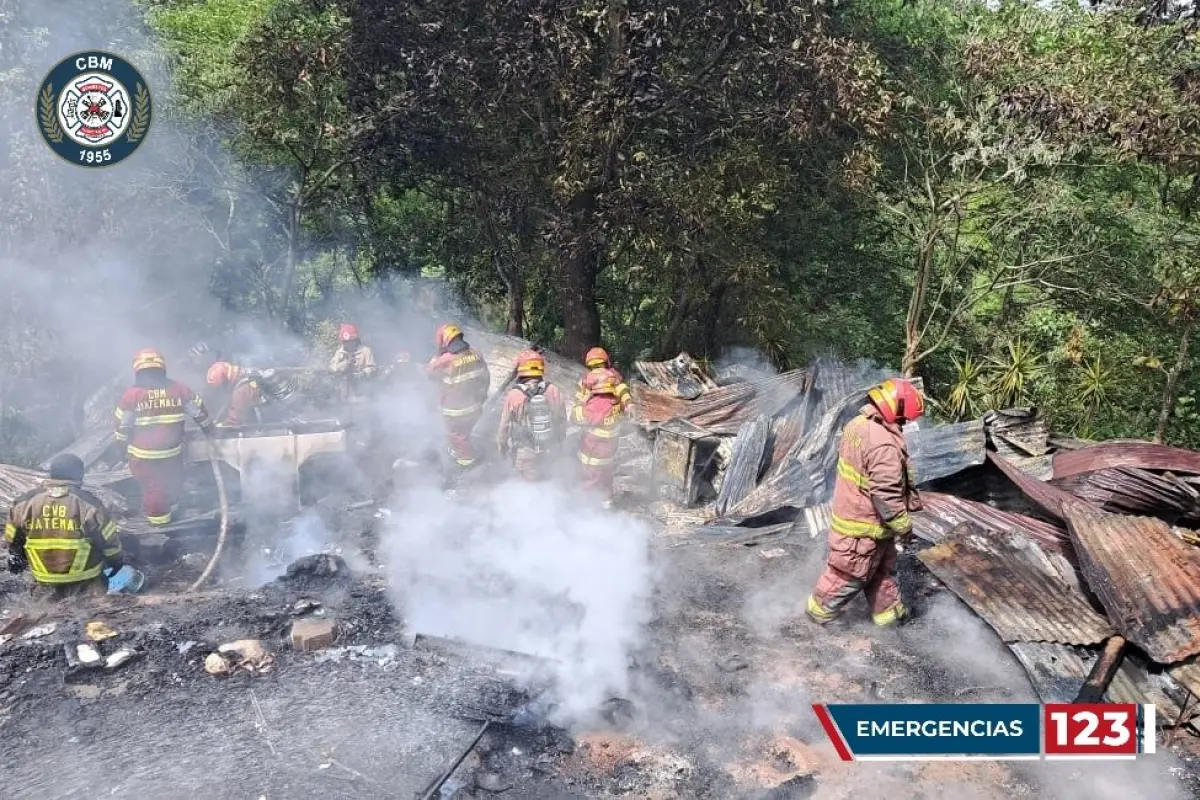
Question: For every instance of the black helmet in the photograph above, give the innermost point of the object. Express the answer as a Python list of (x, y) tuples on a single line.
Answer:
[(67, 467)]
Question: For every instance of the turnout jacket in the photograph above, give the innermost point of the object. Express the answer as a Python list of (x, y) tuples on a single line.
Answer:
[(464, 379), (593, 377), (874, 492), (65, 533), (150, 420)]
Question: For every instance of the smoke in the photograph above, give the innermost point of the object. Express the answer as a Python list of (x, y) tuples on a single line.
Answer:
[(528, 568)]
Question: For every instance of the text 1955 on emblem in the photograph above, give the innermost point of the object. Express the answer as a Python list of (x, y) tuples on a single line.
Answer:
[(94, 109)]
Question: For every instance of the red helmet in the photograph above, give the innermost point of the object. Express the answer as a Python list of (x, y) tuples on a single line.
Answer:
[(897, 400), (447, 333), (597, 357), (347, 332), (149, 358), (222, 372), (531, 364)]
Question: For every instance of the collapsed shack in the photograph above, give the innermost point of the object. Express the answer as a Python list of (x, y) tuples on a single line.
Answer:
[(1081, 556)]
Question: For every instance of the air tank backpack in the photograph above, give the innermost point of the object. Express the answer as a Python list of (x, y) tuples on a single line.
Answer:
[(539, 420)]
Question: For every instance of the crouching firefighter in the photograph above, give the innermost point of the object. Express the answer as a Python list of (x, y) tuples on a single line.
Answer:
[(248, 391), (533, 419), (872, 499), (465, 381), (600, 416), (151, 416), (63, 535)]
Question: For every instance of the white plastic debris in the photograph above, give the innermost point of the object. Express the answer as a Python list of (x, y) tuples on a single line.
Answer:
[(87, 654), (40, 631), (118, 658)]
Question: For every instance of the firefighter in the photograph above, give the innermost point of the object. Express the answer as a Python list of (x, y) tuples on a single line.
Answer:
[(533, 419), (465, 381), (249, 391), (150, 424), (872, 499), (600, 369), (353, 361), (600, 416), (63, 535)]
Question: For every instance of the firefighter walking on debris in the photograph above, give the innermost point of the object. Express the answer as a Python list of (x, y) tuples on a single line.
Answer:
[(150, 424), (600, 415), (533, 419), (63, 535), (600, 370), (464, 379), (872, 499)]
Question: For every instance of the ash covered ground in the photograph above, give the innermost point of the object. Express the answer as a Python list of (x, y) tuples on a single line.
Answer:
[(718, 704)]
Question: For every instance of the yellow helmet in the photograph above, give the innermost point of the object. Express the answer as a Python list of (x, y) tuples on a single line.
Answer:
[(531, 364), (148, 358), (447, 333)]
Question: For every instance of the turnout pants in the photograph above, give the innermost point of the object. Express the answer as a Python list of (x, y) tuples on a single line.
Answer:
[(529, 464), (858, 565), (161, 480), (458, 435), (597, 457)]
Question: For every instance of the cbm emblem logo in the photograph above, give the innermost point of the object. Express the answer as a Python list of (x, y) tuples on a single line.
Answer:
[(94, 109)]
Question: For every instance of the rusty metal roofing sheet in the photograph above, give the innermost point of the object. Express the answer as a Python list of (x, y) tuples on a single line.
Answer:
[(944, 511), (1047, 496), (1141, 455), (723, 410), (1057, 672), (1012, 592), (679, 377), (1147, 579), (1187, 675), (1129, 490)]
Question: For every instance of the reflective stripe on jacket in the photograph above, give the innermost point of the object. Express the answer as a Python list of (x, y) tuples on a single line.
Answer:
[(601, 418), (874, 489), (464, 380), (65, 532), (151, 420)]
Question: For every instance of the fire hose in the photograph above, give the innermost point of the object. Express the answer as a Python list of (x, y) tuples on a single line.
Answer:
[(224, 504)]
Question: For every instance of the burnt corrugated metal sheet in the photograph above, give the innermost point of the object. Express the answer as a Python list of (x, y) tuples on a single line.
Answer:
[(679, 377), (943, 512), (726, 409), (1057, 672), (1047, 496), (1018, 432), (1187, 675), (1128, 490), (943, 450), (1141, 455), (1147, 579), (745, 463), (16, 481), (89, 447), (1005, 586)]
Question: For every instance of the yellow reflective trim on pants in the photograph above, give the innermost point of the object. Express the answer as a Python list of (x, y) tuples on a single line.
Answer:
[(151, 455), (594, 462), (76, 572), (120, 436), (460, 412), (603, 433), (161, 419), (817, 611), (849, 473), (858, 530), (890, 616), (465, 462), (159, 519)]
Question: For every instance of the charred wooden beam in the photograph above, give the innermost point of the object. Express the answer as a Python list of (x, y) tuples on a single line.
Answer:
[(1103, 671)]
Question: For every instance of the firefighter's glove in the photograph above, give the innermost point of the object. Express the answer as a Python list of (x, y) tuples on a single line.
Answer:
[(16, 561), (208, 427)]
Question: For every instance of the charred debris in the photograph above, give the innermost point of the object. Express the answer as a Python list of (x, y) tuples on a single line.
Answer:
[(1082, 556)]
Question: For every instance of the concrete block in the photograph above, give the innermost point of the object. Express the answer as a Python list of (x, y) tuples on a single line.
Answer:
[(312, 634)]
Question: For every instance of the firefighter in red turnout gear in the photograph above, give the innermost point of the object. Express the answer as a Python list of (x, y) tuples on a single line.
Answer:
[(533, 419), (150, 424), (872, 499), (600, 370), (464, 379), (600, 415)]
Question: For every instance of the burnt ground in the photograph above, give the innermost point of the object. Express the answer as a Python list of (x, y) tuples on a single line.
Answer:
[(720, 707)]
